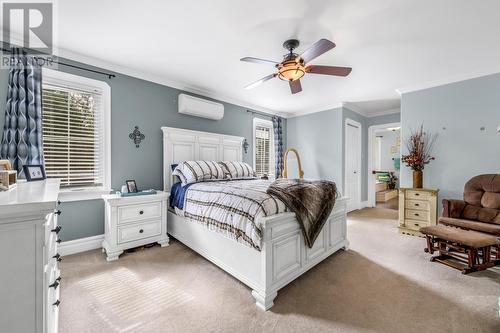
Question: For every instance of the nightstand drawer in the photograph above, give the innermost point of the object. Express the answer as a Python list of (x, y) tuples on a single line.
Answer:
[(415, 225), (417, 205), (420, 215), (139, 212), (139, 231), (417, 195)]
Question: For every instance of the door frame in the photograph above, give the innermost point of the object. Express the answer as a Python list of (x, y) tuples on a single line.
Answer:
[(353, 123), (371, 136)]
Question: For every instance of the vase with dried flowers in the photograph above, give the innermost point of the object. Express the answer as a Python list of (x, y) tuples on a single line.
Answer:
[(419, 145)]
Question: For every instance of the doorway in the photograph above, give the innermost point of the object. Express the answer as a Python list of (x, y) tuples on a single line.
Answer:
[(352, 179), (384, 153)]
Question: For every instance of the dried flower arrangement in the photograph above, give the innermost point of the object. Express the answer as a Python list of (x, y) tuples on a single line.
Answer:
[(419, 145)]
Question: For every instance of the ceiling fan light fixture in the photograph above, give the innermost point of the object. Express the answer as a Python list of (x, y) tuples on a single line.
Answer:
[(291, 70)]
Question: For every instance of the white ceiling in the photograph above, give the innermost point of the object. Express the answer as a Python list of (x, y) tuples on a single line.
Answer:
[(196, 45)]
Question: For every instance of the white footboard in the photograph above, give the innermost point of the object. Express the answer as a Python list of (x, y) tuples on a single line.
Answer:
[(284, 255)]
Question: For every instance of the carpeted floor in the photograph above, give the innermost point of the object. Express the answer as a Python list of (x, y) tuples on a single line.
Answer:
[(384, 283)]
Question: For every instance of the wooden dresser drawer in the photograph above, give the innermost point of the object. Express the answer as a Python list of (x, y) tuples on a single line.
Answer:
[(139, 231), (417, 205), (420, 215), (133, 213), (417, 195), (415, 225)]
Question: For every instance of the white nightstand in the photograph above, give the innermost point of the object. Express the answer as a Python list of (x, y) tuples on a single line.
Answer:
[(134, 221)]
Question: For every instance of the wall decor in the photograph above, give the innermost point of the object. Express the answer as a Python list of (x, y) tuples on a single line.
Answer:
[(131, 186), (245, 145), (137, 136)]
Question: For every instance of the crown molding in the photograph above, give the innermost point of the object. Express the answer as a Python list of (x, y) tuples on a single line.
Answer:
[(123, 70), (449, 80), (369, 114), (303, 113)]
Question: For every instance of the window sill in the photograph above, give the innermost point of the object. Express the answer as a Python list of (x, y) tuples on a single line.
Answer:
[(82, 194)]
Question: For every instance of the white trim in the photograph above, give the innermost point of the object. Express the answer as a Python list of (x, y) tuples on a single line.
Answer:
[(448, 80), (364, 204), (350, 122), (80, 245), (369, 114), (371, 185), (272, 157), (50, 76)]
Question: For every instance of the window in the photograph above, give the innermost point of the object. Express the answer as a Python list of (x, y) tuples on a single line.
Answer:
[(263, 147), (76, 133)]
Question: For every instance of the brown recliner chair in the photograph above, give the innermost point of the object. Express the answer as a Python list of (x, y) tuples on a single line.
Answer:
[(480, 209)]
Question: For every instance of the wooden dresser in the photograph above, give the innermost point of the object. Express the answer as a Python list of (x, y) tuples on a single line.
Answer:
[(29, 283), (417, 208), (134, 221)]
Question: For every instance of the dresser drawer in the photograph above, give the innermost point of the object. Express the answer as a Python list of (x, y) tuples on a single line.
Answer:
[(420, 215), (417, 205), (417, 195), (415, 225), (139, 231), (139, 212)]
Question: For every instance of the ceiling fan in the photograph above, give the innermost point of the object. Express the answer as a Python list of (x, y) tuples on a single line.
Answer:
[(294, 66)]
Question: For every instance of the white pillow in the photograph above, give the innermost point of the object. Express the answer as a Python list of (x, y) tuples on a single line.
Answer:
[(198, 171), (238, 170)]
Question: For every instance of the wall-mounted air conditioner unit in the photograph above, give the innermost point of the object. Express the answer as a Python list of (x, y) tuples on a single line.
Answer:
[(198, 107)]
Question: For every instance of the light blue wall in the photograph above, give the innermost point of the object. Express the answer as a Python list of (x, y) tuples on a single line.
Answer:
[(149, 106), (318, 138), (388, 140), (456, 112)]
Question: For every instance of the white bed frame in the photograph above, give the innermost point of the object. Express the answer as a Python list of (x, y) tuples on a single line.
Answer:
[(284, 255)]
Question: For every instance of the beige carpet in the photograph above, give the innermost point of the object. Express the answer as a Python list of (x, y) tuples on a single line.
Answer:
[(385, 283)]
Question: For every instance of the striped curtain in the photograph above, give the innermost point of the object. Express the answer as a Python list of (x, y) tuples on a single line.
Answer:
[(22, 132), (278, 145)]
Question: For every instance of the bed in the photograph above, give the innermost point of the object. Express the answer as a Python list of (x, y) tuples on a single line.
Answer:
[(283, 255)]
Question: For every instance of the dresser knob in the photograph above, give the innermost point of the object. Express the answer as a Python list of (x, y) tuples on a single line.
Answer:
[(417, 204), (141, 231), (56, 303), (57, 257), (58, 241), (56, 229), (416, 214), (141, 212), (57, 212)]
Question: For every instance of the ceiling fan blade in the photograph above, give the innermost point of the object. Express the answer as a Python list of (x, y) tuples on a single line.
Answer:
[(259, 61), (295, 86), (317, 49), (256, 83), (329, 70)]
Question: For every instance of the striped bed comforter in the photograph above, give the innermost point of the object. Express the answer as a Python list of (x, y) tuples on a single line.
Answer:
[(233, 208)]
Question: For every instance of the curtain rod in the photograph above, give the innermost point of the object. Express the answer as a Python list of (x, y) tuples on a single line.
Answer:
[(109, 75), (261, 113)]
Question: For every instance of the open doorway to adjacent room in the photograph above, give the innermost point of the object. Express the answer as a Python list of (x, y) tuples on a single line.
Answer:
[(384, 152)]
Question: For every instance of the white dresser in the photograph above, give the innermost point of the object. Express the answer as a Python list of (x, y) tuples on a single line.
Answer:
[(134, 221), (29, 278)]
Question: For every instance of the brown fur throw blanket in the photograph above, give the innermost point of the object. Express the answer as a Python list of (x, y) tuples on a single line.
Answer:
[(311, 201)]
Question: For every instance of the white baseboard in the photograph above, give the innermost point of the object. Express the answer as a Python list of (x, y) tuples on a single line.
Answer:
[(80, 245), (364, 204)]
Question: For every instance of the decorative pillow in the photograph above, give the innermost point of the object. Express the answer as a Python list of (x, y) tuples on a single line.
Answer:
[(238, 170), (198, 171)]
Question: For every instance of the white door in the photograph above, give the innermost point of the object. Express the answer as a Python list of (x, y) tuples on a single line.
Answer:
[(353, 164)]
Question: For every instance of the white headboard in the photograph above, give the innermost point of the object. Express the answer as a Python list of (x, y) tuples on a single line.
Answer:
[(185, 145)]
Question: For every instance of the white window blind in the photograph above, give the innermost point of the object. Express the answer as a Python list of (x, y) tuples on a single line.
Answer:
[(72, 135), (264, 150)]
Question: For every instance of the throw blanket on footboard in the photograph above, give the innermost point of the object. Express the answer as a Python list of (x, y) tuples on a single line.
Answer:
[(312, 202)]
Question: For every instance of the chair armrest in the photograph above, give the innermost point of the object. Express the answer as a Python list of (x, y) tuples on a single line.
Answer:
[(453, 208)]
